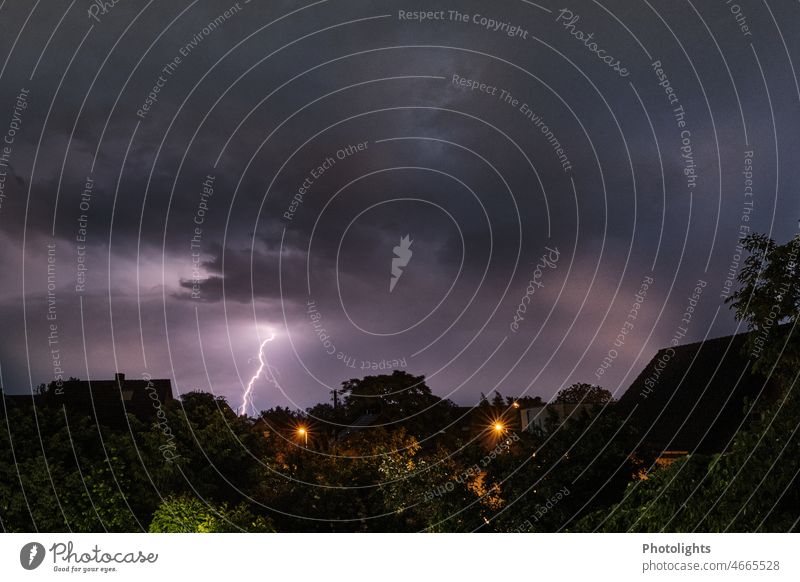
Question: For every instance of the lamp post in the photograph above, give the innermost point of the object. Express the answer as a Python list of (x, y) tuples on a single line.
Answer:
[(303, 433)]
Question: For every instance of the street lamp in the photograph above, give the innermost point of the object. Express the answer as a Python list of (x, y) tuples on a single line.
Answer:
[(498, 427), (303, 433)]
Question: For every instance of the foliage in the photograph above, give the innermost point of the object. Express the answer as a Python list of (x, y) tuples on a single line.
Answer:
[(584, 464), (751, 488), (399, 397), (185, 514), (768, 301), (582, 393)]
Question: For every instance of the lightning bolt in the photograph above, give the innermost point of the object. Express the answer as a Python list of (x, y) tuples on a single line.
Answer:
[(34, 551), (247, 396)]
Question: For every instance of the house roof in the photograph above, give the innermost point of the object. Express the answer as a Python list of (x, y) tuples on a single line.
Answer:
[(692, 397)]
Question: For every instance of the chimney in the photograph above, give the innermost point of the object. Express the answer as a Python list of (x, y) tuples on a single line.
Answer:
[(119, 378)]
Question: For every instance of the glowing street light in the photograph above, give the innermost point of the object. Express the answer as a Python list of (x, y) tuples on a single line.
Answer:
[(498, 427), (303, 433)]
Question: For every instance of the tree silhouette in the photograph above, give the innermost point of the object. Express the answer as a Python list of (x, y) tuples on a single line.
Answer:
[(582, 393)]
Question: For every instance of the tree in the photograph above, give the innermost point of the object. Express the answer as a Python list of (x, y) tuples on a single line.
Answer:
[(60, 475), (497, 400), (399, 394), (434, 492), (211, 447), (768, 295), (186, 514), (399, 397), (546, 482), (582, 393), (751, 488)]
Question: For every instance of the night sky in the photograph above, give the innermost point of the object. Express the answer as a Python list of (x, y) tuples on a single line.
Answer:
[(181, 181)]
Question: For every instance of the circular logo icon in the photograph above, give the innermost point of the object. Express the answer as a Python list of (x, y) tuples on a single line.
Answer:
[(31, 555)]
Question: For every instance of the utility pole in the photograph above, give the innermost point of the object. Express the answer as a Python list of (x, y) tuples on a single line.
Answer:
[(335, 420)]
